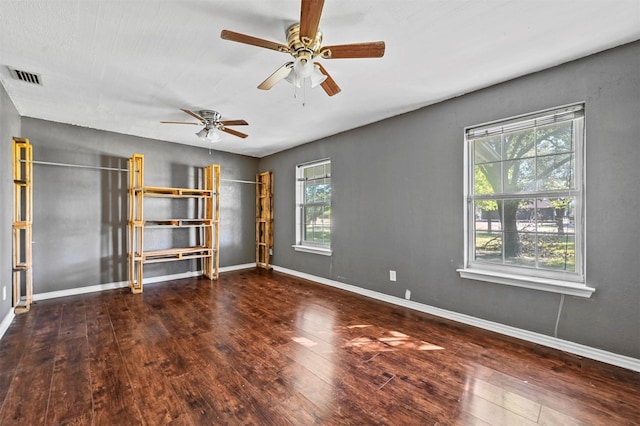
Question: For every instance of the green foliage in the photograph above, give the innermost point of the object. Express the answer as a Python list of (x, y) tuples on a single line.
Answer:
[(482, 186)]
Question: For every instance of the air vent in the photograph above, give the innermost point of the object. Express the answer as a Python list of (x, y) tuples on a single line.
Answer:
[(26, 76)]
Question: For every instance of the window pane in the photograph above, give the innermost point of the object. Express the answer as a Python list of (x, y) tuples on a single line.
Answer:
[(487, 216), (308, 173), (568, 215), (488, 246), (554, 215), (555, 138), (543, 215), (519, 175), (519, 144), (520, 248), (317, 224), (318, 171), (555, 172), (525, 215), (487, 179), (487, 150), (326, 225), (322, 193), (311, 213), (557, 252), (326, 215), (308, 193)]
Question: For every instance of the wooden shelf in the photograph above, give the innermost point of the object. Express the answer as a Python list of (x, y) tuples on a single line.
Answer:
[(22, 224), (206, 227), (177, 223), (176, 253), (159, 191)]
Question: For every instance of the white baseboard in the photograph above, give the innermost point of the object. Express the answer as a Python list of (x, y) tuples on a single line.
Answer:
[(110, 286), (530, 336), (78, 290), (121, 284), (6, 322), (237, 267)]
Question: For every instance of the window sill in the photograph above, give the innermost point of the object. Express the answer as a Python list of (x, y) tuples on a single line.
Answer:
[(543, 284), (315, 250)]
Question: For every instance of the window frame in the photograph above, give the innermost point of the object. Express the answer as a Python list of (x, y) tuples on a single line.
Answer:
[(301, 244), (564, 282)]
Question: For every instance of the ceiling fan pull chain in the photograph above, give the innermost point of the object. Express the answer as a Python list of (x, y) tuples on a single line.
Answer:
[(304, 92)]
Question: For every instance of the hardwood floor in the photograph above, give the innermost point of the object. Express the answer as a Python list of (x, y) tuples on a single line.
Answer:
[(264, 348)]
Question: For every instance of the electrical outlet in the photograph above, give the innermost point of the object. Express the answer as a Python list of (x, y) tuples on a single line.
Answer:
[(407, 294), (4, 293), (392, 275)]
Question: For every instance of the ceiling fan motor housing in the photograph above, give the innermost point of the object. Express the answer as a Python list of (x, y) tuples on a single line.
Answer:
[(306, 47), (210, 117)]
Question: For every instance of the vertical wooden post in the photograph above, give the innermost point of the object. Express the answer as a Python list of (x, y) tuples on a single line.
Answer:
[(212, 216), (22, 224), (216, 220), (136, 222), (264, 219)]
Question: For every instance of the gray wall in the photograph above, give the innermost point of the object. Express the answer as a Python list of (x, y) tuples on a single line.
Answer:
[(9, 127), (398, 203), (80, 214)]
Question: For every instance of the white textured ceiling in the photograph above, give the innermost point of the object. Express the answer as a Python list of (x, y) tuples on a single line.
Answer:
[(123, 66)]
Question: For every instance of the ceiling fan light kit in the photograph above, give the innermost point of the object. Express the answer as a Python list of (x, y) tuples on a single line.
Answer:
[(304, 43), (303, 68), (213, 125), (209, 134)]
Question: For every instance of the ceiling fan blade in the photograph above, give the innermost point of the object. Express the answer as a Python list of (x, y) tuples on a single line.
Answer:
[(374, 49), (233, 132), (193, 114), (310, 12), (180, 122), (328, 85), (234, 123), (253, 41), (278, 75)]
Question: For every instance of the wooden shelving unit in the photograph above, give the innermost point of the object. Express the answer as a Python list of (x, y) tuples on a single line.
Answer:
[(22, 224), (264, 219), (206, 225)]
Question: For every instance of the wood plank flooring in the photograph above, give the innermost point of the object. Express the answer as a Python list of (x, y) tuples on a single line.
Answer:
[(263, 348)]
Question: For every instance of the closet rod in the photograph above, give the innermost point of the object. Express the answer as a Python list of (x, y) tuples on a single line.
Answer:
[(49, 163), (239, 181)]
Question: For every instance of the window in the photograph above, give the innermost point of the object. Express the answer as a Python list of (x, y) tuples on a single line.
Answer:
[(525, 201), (313, 207)]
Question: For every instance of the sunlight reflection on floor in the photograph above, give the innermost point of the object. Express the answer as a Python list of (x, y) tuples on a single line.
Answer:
[(388, 340), (314, 320)]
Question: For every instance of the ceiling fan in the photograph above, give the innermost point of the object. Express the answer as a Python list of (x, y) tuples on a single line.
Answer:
[(304, 43), (211, 122)]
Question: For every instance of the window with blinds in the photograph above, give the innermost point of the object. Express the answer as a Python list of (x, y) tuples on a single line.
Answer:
[(524, 192), (313, 207)]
